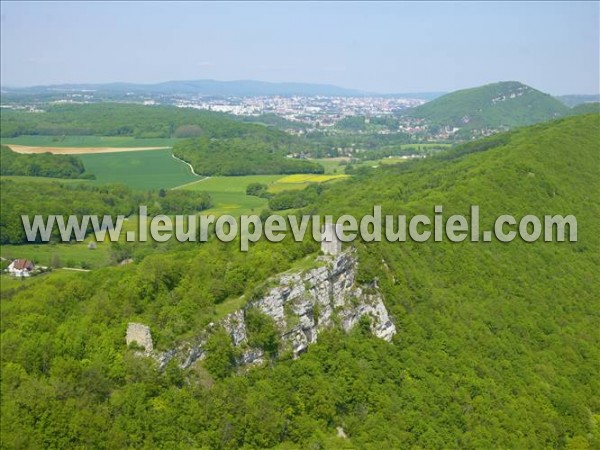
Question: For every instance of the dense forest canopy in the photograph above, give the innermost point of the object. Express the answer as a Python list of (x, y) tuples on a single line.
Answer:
[(241, 157), (118, 119), (40, 164), (372, 124), (28, 197), (504, 104), (497, 344)]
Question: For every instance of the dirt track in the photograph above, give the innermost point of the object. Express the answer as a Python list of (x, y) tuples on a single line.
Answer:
[(77, 150)]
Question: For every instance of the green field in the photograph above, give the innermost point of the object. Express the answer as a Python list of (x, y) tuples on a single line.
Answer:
[(142, 170), (392, 160), (335, 166), (309, 178), (87, 141), (229, 193), (74, 254), (332, 165), (151, 169)]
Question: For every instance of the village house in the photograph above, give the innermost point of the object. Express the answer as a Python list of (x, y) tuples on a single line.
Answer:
[(21, 268)]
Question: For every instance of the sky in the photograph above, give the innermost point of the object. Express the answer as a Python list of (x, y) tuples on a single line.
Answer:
[(381, 47)]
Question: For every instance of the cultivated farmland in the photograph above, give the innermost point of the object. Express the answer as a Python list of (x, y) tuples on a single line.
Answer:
[(309, 178), (27, 149), (87, 141), (229, 193), (150, 169)]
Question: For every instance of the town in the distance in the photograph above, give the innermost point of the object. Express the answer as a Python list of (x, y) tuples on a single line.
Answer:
[(324, 109)]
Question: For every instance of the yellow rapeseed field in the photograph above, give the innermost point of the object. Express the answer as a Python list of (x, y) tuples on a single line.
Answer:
[(309, 178)]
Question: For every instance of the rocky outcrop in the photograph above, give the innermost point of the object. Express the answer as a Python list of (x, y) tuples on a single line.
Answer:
[(302, 305)]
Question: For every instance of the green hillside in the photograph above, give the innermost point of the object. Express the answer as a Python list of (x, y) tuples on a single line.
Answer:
[(586, 108), (498, 344), (493, 336), (573, 100), (505, 104)]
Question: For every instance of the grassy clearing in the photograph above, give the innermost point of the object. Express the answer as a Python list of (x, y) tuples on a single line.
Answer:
[(235, 204), (74, 254), (88, 141), (152, 169), (229, 193), (228, 306), (231, 184), (392, 160), (279, 187), (333, 165)]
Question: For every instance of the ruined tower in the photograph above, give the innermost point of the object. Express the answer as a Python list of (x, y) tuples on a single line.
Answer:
[(330, 243)]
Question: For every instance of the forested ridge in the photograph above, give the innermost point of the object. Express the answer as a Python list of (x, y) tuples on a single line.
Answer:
[(498, 345), (241, 157), (121, 119)]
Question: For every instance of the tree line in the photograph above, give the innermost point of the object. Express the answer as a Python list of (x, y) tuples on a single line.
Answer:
[(41, 165)]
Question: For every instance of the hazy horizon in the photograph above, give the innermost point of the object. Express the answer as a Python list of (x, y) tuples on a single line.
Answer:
[(373, 47)]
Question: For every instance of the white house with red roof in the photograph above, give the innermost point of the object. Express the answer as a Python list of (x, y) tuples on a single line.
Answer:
[(21, 268)]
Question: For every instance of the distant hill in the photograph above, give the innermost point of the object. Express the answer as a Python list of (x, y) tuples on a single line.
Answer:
[(209, 88), (586, 108), (505, 104), (574, 100), (239, 88)]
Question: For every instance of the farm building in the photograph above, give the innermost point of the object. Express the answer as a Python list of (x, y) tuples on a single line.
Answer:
[(21, 268)]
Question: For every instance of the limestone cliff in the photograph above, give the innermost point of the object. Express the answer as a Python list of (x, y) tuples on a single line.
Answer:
[(301, 304)]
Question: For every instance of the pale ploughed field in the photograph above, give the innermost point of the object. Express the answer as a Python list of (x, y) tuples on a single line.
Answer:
[(77, 150)]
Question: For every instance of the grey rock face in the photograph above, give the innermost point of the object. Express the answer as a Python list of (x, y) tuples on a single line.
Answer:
[(302, 305), (140, 334), (235, 325)]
